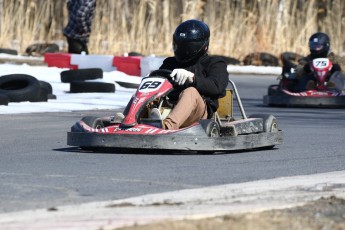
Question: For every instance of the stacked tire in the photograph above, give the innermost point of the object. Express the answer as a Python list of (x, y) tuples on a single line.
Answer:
[(23, 87), (85, 81), (261, 59)]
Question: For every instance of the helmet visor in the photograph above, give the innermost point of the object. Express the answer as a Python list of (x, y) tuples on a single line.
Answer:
[(316, 46), (186, 50)]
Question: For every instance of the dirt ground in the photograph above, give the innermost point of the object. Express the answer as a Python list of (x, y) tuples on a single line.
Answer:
[(325, 213)]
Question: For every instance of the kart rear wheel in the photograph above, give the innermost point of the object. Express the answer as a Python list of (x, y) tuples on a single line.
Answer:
[(213, 129), (270, 123)]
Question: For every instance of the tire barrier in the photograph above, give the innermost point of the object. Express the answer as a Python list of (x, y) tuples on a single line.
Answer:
[(39, 49), (79, 84), (68, 76), (47, 86), (23, 87), (261, 59), (3, 99), (20, 87), (91, 87), (133, 53), (46, 92), (42, 96), (8, 51)]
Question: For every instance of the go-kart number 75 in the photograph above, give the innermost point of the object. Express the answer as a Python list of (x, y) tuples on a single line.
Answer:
[(320, 62)]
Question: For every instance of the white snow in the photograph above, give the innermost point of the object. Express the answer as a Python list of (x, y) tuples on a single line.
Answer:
[(67, 101)]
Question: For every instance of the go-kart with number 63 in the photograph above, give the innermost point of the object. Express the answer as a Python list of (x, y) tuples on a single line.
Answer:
[(136, 130)]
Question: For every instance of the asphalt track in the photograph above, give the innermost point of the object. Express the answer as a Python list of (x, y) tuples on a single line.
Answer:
[(38, 169)]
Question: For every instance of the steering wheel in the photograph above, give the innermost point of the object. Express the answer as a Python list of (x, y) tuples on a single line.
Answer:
[(161, 73), (166, 74)]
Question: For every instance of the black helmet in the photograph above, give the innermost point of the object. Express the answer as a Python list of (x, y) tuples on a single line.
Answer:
[(319, 45), (190, 40)]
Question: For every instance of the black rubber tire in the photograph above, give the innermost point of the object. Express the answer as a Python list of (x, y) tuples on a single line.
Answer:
[(93, 122), (91, 87), (38, 49), (135, 54), (261, 59), (47, 86), (81, 74), (20, 87), (51, 96), (51, 48), (8, 51), (3, 99), (213, 129), (270, 123), (42, 96)]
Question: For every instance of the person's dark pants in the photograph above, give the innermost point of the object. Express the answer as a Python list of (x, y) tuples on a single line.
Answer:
[(76, 47), (337, 81)]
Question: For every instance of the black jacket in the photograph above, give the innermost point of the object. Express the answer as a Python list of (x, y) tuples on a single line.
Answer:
[(211, 78)]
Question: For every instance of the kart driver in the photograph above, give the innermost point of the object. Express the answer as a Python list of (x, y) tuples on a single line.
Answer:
[(319, 46), (200, 79)]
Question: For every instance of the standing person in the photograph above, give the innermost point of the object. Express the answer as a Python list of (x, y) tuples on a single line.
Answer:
[(78, 29), (201, 79), (320, 47)]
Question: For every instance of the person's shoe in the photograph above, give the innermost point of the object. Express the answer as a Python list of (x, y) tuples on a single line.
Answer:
[(330, 84), (155, 114), (118, 118), (310, 85)]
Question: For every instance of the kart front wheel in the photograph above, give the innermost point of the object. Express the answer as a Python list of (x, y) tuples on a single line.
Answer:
[(93, 122)]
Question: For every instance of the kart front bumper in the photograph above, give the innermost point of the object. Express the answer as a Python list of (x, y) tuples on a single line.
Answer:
[(177, 142)]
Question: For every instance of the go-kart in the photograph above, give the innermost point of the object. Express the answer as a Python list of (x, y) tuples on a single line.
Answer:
[(323, 95), (138, 131)]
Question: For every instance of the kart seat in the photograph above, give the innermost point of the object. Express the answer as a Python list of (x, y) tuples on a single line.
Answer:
[(225, 109)]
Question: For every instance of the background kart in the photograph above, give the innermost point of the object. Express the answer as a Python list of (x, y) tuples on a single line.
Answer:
[(278, 96), (284, 93), (137, 130)]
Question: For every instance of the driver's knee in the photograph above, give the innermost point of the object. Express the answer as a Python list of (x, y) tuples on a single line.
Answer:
[(337, 81)]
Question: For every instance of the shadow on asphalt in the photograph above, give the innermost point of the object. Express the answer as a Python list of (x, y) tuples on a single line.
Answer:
[(155, 151)]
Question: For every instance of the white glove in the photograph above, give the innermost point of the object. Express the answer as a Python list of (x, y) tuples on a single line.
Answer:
[(181, 76)]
